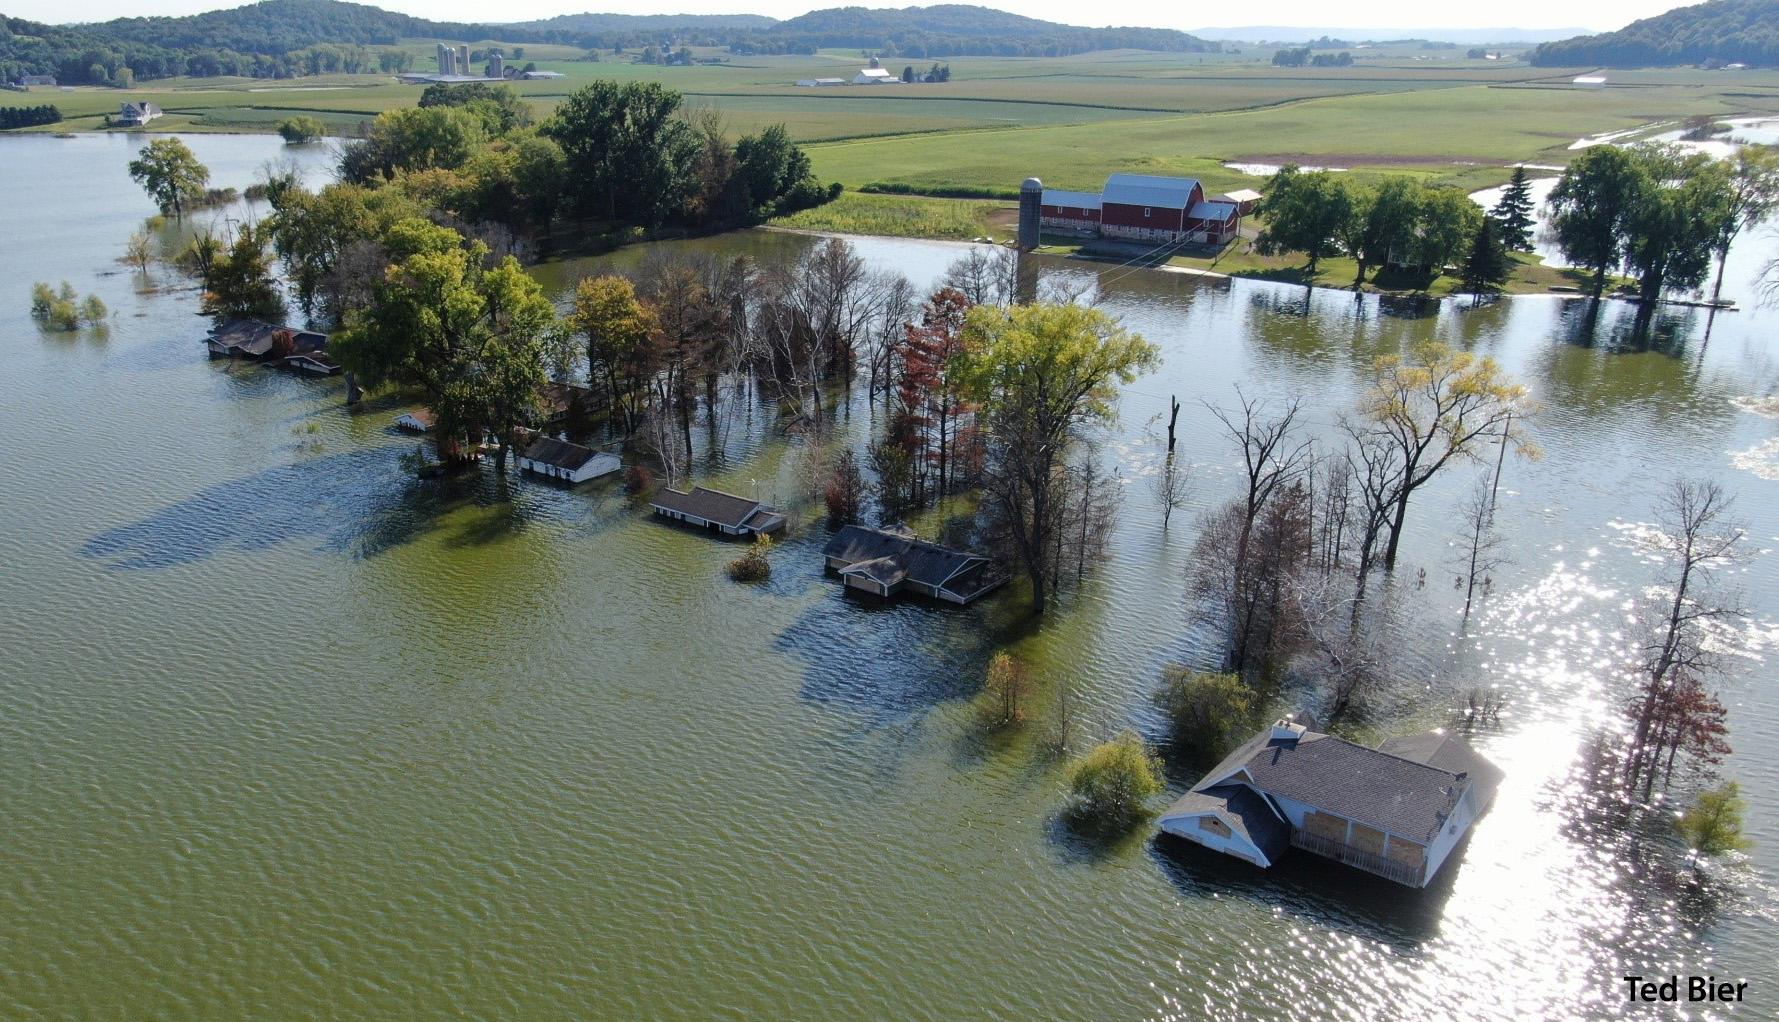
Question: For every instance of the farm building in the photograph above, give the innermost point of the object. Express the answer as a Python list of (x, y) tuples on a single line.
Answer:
[(1589, 82), (26, 81), (718, 511), (420, 420), (1140, 207), (885, 562), (251, 338), (571, 463), (1396, 811), (876, 76), (813, 83), (1245, 200), (134, 115)]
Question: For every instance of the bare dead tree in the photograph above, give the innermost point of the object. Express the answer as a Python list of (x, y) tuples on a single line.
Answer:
[(1169, 486), (1481, 549)]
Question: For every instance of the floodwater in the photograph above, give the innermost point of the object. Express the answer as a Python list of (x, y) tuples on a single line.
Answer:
[(289, 734)]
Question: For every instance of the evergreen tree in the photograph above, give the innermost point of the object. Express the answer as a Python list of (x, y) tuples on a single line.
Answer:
[(1514, 212), (1487, 267)]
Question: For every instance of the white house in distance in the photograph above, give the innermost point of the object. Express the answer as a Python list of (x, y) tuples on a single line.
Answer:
[(1395, 811), (571, 463), (876, 76), (134, 115)]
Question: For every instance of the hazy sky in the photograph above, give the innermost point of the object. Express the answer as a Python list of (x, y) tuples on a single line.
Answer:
[(1595, 14)]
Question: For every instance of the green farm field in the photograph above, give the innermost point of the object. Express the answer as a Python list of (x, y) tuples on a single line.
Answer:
[(1069, 120)]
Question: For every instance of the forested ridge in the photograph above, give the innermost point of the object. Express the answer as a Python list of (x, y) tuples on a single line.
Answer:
[(1715, 33), (288, 38)]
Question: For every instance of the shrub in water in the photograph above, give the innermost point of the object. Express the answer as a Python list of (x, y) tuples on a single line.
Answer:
[(1110, 787), (753, 565)]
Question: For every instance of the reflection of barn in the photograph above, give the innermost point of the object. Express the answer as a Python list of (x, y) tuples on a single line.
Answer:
[(1141, 207)]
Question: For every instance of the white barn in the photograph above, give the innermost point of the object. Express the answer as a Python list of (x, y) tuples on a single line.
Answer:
[(876, 76)]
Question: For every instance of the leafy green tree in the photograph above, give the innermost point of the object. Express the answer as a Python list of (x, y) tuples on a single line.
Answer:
[(623, 339), (1487, 267), (1448, 222), (302, 129), (1040, 375), (330, 242), (410, 139), (1514, 211), (469, 337), (241, 283), (1110, 787), (497, 105), (767, 167), (93, 310), (1675, 225), (1206, 709), (1751, 195), (1712, 825), (1381, 221), (630, 157), (171, 174), (1592, 208), (1304, 212)]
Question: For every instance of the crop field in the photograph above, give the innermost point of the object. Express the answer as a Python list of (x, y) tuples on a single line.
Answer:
[(1069, 120)]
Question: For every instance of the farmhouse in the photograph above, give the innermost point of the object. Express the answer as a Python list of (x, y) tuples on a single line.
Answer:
[(251, 338), (876, 76), (889, 561), (718, 511), (571, 463), (1396, 811), (1141, 207), (134, 115)]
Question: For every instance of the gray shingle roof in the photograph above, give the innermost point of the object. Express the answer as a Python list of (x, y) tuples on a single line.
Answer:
[(926, 563), (710, 505), (560, 453), (1444, 752), (1379, 788)]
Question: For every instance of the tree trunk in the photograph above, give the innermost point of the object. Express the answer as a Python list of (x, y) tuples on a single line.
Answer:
[(1396, 521), (1599, 281)]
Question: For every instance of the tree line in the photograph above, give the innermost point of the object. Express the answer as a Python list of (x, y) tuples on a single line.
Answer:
[(1395, 220), (1303, 56), (1718, 32), (28, 116)]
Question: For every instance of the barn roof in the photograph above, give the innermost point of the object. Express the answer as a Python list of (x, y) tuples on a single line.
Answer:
[(1147, 190), (1212, 211), (1077, 200), (1241, 195)]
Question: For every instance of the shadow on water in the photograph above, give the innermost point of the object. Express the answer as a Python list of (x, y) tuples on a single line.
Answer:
[(1323, 892), (888, 659), (353, 502)]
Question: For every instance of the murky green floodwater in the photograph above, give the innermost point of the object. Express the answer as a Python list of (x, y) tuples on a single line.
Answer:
[(286, 734)]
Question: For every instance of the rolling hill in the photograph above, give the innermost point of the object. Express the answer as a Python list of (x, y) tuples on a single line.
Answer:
[(1721, 31)]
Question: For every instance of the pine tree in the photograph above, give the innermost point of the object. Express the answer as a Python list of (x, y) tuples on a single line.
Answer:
[(1487, 267), (1514, 212)]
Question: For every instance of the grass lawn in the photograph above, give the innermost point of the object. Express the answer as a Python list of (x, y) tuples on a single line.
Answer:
[(901, 216)]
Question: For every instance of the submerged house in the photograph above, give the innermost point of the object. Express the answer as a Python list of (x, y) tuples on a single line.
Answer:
[(718, 511), (571, 463), (1396, 811), (1143, 207), (317, 362), (419, 420), (890, 561), (251, 338)]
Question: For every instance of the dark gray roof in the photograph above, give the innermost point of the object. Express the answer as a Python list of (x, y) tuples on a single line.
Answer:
[(1446, 753), (710, 505), (560, 453), (252, 337), (1245, 810), (1377, 788), (927, 563)]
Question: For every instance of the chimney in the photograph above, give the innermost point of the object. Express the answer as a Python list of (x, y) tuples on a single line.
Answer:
[(1285, 731)]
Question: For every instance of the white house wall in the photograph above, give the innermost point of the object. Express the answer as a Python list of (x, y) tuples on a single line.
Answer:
[(1188, 827)]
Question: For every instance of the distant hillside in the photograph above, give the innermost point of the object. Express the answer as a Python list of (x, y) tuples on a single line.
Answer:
[(955, 30), (656, 24), (1722, 31), (273, 39), (1461, 36)]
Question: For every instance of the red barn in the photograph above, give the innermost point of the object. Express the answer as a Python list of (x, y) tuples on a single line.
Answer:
[(1141, 207)]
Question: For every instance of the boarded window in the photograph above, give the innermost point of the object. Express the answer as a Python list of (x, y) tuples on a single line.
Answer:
[(1324, 825), (1213, 825), (1367, 840), (1407, 852)]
